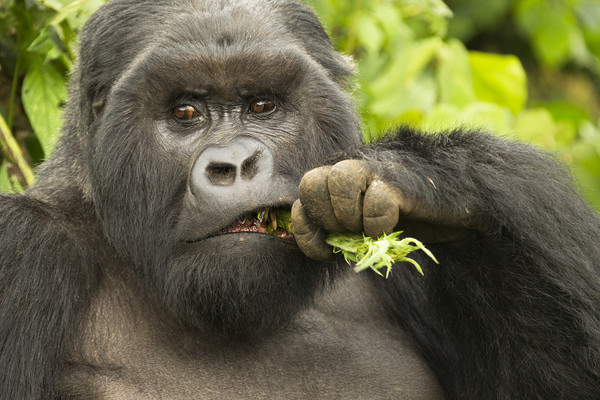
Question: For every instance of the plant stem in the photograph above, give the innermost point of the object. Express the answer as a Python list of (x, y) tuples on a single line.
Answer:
[(13, 90), (11, 150)]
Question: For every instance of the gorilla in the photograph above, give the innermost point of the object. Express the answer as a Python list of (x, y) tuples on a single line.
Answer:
[(137, 266)]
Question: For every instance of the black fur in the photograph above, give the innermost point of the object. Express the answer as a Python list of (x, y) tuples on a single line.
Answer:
[(510, 313), (514, 311)]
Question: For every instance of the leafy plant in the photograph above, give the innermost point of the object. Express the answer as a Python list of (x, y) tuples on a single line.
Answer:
[(36, 54), (378, 253), (364, 251)]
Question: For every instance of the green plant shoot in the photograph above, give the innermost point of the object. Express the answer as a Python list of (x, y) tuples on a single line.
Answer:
[(378, 253), (365, 251)]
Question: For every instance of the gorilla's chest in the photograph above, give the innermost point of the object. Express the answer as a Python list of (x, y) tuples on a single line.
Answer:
[(341, 348)]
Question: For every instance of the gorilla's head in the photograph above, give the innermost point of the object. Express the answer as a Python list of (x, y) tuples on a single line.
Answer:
[(185, 120)]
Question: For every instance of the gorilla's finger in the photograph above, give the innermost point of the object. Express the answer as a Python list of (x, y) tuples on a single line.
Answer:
[(381, 209), (314, 195), (347, 183), (309, 237)]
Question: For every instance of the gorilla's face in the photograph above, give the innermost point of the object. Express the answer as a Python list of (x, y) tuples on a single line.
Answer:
[(215, 119)]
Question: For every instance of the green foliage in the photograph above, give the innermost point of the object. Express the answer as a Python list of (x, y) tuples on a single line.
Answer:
[(414, 68), (4, 180), (499, 79), (378, 253), (47, 83), (561, 31), (38, 38)]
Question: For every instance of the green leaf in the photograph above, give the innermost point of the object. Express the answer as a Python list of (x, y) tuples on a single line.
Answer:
[(44, 92), (408, 63), (478, 115), (552, 40), (454, 74), (429, 17), (585, 155), (47, 44), (499, 79), (4, 181), (378, 253), (52, 4), (77, 16), (416, 95), (562, 110), (473, 16), (369, 34), (537, 126), (69, 8), (488, 116), (442, 117), (391, 22), (551, 27), (8, 185)]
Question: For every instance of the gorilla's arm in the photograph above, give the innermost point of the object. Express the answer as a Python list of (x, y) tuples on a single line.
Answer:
[(512, 310), (46, 277)]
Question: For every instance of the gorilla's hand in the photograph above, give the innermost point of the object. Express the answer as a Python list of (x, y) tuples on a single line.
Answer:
[(349, 196)]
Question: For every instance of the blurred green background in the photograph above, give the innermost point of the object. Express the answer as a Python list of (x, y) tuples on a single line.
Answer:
[(525, 69)]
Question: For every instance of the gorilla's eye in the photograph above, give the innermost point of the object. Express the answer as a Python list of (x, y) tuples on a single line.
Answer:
[(185, 112), (262, 106)]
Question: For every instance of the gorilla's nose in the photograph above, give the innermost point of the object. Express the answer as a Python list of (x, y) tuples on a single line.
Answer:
[(241, 168)]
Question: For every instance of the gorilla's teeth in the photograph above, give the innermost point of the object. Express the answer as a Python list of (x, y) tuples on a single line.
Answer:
[(264, 221), (272, 219)]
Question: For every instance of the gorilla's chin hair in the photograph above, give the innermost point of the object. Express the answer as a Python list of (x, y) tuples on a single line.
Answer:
[(242, 285)]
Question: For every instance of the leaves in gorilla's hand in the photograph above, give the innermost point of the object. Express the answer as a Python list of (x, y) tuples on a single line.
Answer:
[(384, 251), (363, 250)]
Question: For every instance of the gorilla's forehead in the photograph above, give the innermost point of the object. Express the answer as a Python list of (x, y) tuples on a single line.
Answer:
[(236, 24), (198, 68), (222, 47)]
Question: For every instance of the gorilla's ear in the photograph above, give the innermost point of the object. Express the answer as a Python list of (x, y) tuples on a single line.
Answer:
[(305, 25)]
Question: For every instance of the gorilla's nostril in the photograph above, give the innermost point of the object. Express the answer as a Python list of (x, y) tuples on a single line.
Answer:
[(249, 167), (221, 174), (241, 168)]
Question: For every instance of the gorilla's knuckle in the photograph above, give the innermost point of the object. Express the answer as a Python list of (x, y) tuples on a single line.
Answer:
[(349, 175), (355, 167), (314, 185)]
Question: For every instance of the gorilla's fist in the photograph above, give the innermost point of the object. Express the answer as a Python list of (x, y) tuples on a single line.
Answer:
[(349, 196)]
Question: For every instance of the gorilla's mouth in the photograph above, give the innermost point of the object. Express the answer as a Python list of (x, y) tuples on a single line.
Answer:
[(269, 221)]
